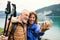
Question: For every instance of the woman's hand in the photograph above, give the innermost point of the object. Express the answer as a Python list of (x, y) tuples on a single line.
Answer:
[(46, 26)]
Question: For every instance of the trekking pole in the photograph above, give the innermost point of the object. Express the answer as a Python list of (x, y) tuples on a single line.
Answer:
[(7, 11), (13, 14)]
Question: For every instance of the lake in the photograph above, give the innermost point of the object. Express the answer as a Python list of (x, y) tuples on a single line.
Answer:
[(52, 34)]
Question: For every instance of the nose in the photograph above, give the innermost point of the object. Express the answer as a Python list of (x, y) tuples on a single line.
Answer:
[(31, 18), (27, 17)]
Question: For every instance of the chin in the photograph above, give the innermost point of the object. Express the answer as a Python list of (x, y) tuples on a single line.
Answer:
[(25, 21), (31, 23)]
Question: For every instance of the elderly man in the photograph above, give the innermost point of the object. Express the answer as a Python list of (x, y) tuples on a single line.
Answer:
[(20, 31)]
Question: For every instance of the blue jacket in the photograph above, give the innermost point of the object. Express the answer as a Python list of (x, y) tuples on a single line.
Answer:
[(33, 31)]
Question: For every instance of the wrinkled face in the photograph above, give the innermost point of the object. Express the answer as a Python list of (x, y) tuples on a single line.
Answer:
[(25, 16), (32, 19)]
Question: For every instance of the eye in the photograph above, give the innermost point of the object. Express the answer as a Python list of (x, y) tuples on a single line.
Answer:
[(33, 17), (26, 14)]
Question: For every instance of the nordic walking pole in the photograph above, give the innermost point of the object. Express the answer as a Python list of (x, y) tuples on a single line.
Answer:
[(13, 13), (7, 11)]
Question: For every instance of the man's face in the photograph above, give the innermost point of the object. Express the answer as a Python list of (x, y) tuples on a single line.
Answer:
[(25, 16)]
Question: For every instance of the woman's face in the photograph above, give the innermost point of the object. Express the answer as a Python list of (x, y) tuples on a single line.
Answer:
[(32, 19)]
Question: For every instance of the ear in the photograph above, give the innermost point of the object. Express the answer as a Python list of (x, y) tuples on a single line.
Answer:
[(20, 13)]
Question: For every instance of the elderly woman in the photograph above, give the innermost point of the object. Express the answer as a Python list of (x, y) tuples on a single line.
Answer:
[(34, 31)]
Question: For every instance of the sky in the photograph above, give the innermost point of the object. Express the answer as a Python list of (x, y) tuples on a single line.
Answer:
[(30, 5)]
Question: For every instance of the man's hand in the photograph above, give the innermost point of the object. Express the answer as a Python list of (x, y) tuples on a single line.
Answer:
[(2, 37), (14, 19), (46, 26)]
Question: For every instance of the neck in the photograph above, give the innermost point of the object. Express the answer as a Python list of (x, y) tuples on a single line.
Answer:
[(30, 24)]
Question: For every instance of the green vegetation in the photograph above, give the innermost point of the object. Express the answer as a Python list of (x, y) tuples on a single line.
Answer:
[(1, 30)]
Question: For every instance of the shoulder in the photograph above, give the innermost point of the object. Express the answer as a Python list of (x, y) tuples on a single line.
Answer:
[(36, 26)]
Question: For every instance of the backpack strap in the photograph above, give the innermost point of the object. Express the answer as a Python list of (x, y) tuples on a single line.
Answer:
[(14, 26)]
